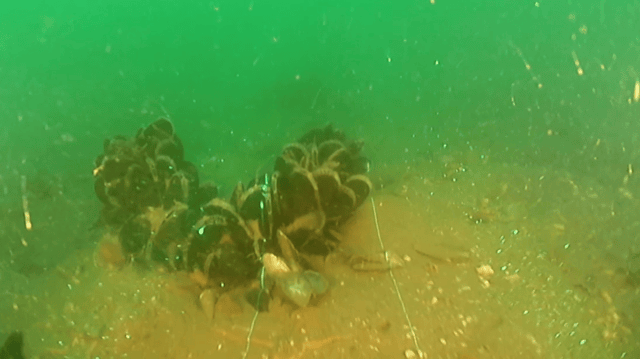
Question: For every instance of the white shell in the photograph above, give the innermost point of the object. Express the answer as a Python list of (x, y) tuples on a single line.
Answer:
[(275, 266)]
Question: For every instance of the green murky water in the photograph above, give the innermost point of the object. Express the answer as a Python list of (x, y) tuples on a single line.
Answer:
[(509, 128)]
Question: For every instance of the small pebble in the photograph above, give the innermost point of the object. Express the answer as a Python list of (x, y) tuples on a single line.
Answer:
[(410, 354)]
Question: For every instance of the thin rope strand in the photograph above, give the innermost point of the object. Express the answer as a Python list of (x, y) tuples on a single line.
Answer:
[(395, 282), (255, 315)]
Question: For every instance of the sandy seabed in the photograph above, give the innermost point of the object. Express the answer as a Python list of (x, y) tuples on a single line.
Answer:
[(490, 261)]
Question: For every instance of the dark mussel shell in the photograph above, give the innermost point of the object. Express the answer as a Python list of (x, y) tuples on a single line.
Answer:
[(361, 186), (174, 228), (297, 194), (202, 195), (257, 207), (296, 153), (114, 168), (253, 203), (165, 168), (101, 191), (327, 149), (233, 261), (170, 148), (328, 186), (177, 190), (222, 212), (319, 135), (191, 173), (135, 234), (343, 203), (221, 243), (160, 129), (285, 165)]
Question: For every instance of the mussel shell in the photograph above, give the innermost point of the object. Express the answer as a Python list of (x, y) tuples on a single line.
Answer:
[(342, 204), (258, 298), (177, 190), (210, 234), (319, 135), (101, 191), (165, 167), (253, 203), (319, 285), (219, 207), (328, 148), (168, 147), (328, 183), (135, 234), (296, 152), (221, 213), (361, 186), (285, 165), (174, 228), (299, 193), (236, 195), (339, 160), (202, 195), (160, 129), (113, 168), (231, 261), (137, 180), (360, 165), (190, 172), (296, 288)]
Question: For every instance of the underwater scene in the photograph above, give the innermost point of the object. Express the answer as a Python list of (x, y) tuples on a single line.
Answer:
[(319, 179)]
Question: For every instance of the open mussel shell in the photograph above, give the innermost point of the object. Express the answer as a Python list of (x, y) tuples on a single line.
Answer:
[(135, 234), (361, 187)]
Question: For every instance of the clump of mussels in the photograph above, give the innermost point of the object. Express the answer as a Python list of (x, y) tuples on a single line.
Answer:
[(149, 192), (153, 198)]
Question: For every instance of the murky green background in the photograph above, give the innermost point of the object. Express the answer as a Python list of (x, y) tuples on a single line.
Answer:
[(547, 84)]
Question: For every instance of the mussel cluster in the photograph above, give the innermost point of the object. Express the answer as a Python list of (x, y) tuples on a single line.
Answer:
[(147, 190), (153, 199)]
